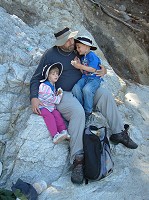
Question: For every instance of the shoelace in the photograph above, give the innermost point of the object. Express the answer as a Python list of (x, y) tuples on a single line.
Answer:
[(126, 127)]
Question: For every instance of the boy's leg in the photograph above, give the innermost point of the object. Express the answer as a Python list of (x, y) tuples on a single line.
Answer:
[(50, 121), (59, 121), (88, 94), (77, 90), (73, 112)]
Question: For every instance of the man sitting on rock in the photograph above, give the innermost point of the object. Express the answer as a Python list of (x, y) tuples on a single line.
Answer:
[(70, 108)]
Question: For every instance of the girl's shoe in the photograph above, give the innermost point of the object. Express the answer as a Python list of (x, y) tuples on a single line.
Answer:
[(65, 131), (59, 137)]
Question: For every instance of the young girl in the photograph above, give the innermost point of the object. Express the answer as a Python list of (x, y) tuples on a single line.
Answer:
[(49, 97)]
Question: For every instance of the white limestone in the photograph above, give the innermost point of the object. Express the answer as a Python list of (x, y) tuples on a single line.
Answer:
[(29, 152)]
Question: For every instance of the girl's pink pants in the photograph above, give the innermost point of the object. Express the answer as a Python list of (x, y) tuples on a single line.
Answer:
[(53, 120)]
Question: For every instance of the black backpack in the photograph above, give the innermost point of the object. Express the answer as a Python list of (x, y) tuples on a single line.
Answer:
[(97, 155)]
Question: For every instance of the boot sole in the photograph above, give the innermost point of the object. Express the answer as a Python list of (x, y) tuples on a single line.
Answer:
[(77, 182), (115, 143)]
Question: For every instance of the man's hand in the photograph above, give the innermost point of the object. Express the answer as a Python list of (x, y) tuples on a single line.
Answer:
[(101, 72), (35, 105)]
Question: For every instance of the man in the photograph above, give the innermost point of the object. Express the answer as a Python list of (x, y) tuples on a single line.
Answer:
[(70, 108)]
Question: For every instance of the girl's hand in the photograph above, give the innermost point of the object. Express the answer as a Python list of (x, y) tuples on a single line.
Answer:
[(59, 91)]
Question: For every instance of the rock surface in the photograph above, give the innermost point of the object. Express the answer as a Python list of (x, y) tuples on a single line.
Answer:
[(26, 149)]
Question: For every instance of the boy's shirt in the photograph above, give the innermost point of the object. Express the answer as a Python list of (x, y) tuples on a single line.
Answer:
[(92, 60)]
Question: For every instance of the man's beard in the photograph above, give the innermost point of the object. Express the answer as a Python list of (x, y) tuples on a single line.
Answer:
[(71, 48), (67, 49)]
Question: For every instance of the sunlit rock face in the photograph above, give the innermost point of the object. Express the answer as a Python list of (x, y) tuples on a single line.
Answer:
[(26, 146)]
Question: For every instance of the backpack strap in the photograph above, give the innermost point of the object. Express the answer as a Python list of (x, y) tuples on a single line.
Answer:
[(105, 130)]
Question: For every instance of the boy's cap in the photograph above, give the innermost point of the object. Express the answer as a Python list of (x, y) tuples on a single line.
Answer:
[(62, 35), (87, 41), (47, 69)]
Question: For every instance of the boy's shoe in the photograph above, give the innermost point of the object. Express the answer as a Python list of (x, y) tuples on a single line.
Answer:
[(123, 138), (59, 137), (77, 175), (67, 134)]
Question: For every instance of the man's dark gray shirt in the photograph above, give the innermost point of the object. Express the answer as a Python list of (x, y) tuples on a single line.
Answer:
[(68, 78)]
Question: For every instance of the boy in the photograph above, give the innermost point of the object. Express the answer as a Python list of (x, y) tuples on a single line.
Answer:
[(84, 90)]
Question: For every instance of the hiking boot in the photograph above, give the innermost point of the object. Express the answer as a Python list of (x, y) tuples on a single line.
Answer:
[(124, 138), (77, 175)]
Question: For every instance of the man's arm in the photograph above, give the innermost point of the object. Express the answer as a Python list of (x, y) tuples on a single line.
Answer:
[(35, 102), (101, 72), (34, 85)]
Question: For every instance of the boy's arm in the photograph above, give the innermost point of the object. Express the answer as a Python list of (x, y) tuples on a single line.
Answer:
[(83, 67), (93, 63)]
